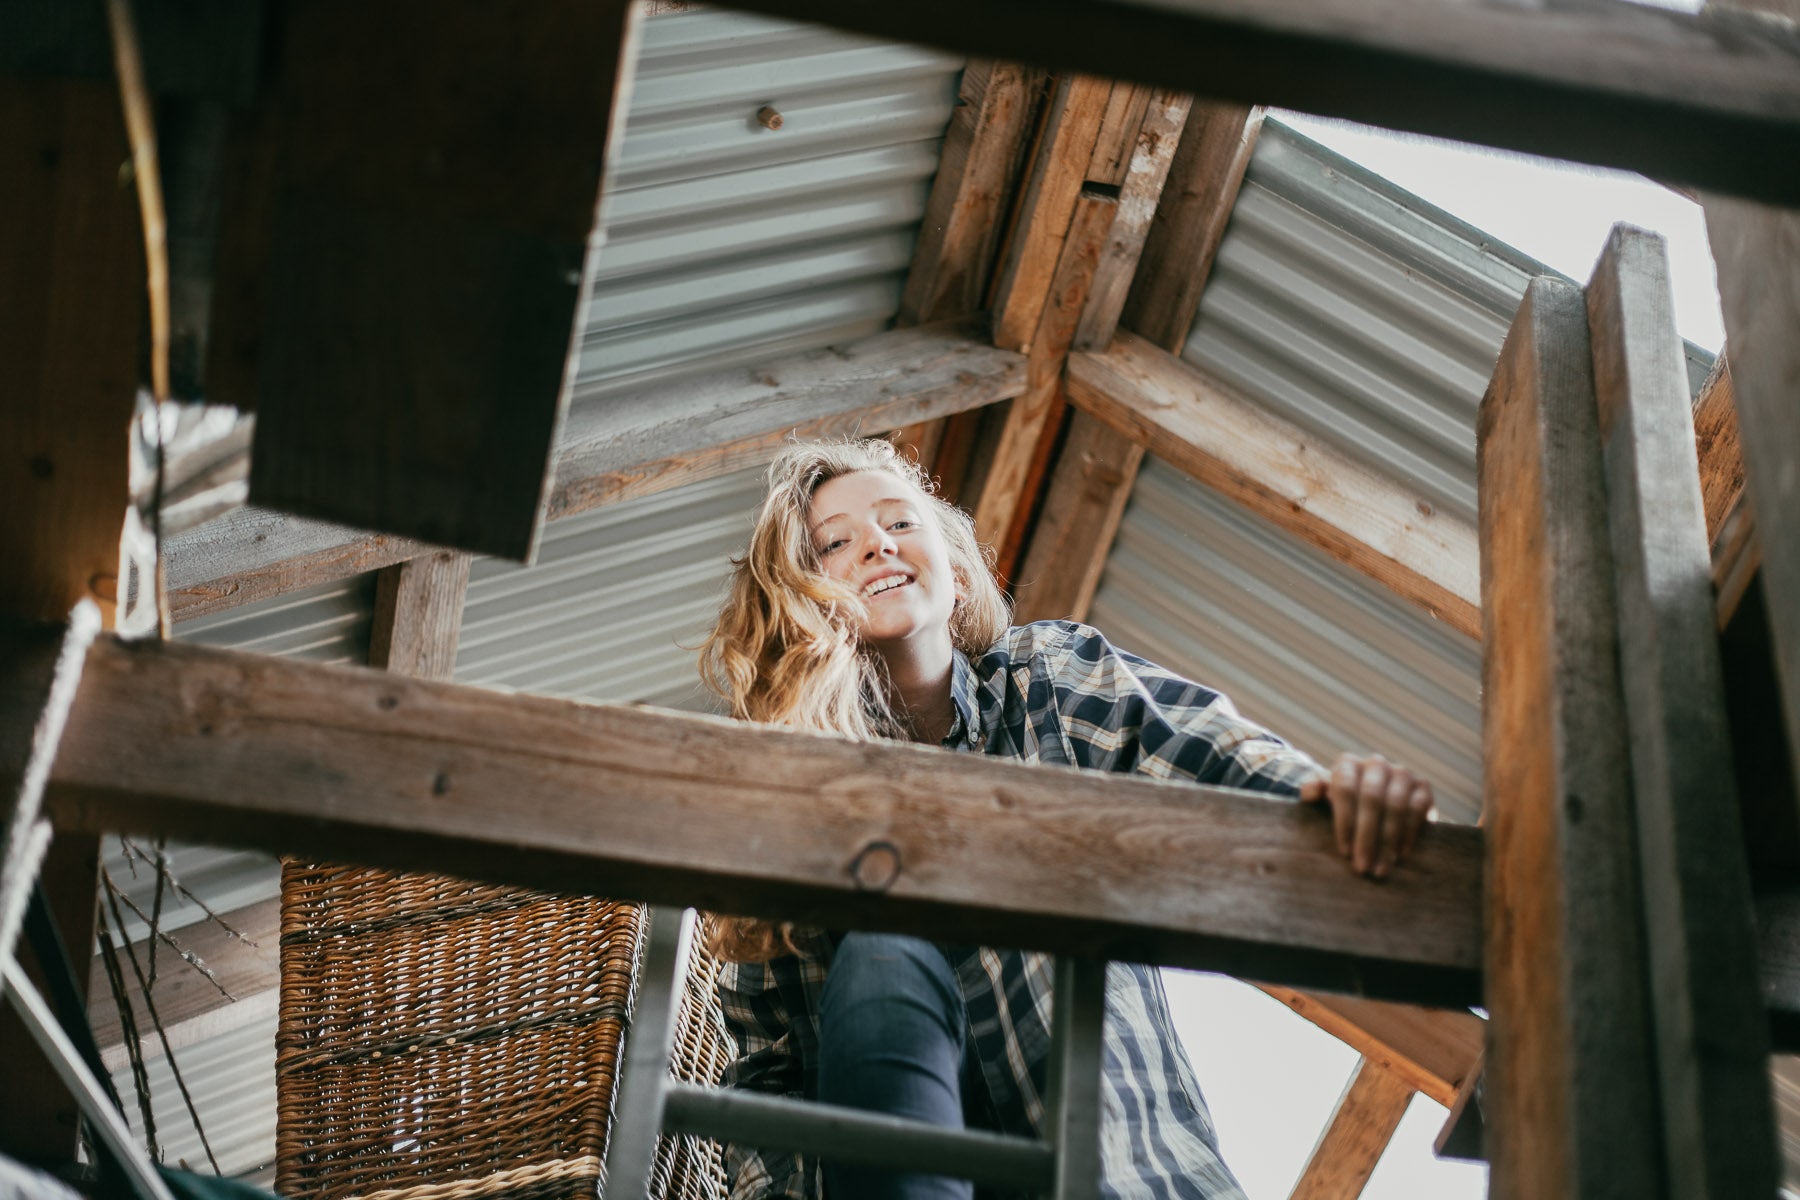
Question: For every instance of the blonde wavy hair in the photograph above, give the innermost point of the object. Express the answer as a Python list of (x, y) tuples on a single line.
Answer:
[(785, 649)]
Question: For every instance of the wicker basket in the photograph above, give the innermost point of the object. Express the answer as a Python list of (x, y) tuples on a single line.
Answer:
[(443, 1040)]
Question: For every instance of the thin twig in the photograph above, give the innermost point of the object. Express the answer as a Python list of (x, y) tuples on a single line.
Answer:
[(134, 1046), (188, 956), (156, 903), (187, 893), (113, 896)]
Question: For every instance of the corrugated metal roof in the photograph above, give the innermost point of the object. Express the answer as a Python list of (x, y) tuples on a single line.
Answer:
[(726, 241), (619, 600), (1363, 314), (231, 1077), (1316, 651)]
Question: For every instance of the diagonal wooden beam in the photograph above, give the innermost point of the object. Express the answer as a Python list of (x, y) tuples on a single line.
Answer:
[(1431, 1050), (637, 445), (1710, 98), (1354, 1140), (1283, 474), (420, 258), (1082, 509), (360, 765)]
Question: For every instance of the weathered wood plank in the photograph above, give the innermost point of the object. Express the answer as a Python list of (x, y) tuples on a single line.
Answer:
[(425, 251), (978, 170), (71, 310), (1431, 1050), (360, 765), (1571, 1077), (1082, 509), (191, 1008), (1758, 254), (1017, 464), (1217, 143), (418, 615), (1361, 1126), (1712, 1044), (693, 429), (1058, 170), (1710, 98), (637, 445), (1283, 474), (1718, 447), (1139, 193)]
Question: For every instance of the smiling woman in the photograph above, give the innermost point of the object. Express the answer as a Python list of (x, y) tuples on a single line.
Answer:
[(865, 607)]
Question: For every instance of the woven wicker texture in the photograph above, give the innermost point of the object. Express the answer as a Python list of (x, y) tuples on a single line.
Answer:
[(443, 1040)]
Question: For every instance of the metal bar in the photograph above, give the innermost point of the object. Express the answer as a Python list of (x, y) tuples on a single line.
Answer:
[(66, 1060), (638, 1111), (1076, 1031), (854, 1136)]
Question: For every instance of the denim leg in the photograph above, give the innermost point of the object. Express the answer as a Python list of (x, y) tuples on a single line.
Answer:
[(891, 1040)]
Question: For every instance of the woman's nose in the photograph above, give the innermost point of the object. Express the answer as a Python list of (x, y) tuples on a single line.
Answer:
[(877, 543)]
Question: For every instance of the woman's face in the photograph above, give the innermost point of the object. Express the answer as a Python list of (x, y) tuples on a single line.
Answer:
[(872, 530)]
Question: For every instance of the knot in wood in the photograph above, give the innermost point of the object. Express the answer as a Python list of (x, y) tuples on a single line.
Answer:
[(876, 867)]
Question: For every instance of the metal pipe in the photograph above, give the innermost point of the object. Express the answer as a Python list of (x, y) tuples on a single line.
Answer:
[(854, 1136)]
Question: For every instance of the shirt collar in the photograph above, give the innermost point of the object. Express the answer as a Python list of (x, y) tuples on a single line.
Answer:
[(964, 729)]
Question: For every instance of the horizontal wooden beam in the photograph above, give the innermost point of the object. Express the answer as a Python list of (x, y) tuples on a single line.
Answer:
[(635, 445), (361, 766), (1710, 98), (1285, 475)]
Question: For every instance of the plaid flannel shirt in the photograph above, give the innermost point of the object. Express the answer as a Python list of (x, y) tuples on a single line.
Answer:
[(1053, 692)]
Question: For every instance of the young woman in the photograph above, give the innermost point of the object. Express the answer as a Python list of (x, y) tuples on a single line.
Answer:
[(865, 607)]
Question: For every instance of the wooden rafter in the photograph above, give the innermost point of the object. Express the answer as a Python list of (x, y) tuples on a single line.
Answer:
[(1710, 98), (1432, 1050), (359, 765), (636, 445), (1358, 1133), (1283, 474)]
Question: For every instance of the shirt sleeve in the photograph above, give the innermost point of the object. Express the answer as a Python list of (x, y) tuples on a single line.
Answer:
[(768, 1060), (1124, 713)]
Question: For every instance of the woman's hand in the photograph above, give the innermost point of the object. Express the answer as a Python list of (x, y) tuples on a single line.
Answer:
[(1377, 808)]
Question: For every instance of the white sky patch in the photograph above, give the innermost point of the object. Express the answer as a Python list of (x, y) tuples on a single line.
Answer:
[(1273, 1078), (1557, 212)]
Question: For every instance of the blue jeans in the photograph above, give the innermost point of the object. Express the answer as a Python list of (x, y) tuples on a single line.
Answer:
[(893, 1038)]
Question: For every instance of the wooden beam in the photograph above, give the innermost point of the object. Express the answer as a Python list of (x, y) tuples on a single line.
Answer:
[(1283, 474), (1712, 1044), (965, 225), (1710, 98), (635, 445), (1217, 144), (192, 1009), (1082, 509), (1430, 1050), (1359, 1131), (1047, 207), (422, 260), (1571, 1077), (418, 615), (1463, 1134), (965, 218), (359, 765), (1018, 461), (1153, 151), (71, 307), (1758, 254), (1718, 448)]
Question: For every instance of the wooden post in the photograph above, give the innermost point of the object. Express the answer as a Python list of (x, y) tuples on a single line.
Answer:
[(1082, 510), (1571, 1092), (418, 615), (1359, 1131), (1712, 1039)]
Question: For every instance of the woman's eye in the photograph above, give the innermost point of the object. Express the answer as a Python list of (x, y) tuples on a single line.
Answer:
[(833, 546), (903, 523)]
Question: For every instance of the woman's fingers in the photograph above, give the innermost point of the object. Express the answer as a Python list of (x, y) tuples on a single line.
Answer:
[(1377, 809)]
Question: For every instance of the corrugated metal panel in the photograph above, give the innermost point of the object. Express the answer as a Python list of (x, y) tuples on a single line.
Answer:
[(325, 624), (1363, 314), (728, 242), (1317, 652), (618, 601), (231, 1077)]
